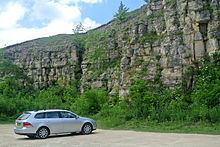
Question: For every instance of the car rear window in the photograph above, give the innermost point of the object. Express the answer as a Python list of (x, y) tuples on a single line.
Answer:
[(24, 116), (39, 116)]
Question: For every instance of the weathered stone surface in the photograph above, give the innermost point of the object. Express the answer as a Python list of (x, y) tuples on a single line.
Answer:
[(97, 84), (203, 16), (195, 5), (198, 36)]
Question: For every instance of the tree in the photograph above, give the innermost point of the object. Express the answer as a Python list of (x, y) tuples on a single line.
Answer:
[(79, 29), (122, 11)]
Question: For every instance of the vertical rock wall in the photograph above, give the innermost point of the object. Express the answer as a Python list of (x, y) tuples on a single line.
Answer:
[(157, 42)]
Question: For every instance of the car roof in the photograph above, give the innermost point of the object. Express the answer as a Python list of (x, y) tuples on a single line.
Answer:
[(46, 110)]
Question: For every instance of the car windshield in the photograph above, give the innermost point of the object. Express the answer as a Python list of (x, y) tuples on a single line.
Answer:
[(24, 116)]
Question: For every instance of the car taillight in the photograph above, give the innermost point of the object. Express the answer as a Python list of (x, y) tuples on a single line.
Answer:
[(27, 124)]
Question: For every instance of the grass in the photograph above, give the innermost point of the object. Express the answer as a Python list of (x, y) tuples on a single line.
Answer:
[(163, 127), (7, 122), (53, 42), (56, 41), (153, 126), (150, 126)]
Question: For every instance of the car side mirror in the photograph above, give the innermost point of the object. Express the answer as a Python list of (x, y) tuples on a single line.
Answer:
[(77, 117)]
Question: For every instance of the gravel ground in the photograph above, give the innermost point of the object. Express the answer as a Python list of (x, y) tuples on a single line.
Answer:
[(109, 138)]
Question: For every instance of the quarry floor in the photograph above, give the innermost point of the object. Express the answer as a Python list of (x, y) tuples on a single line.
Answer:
[(109, 138)]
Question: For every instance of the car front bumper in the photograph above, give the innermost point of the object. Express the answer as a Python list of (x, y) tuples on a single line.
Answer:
[(94, 125)]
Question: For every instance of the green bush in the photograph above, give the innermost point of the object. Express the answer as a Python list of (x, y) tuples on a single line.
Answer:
[(214, 114), (141, 99), (112, 116), (91, 102)]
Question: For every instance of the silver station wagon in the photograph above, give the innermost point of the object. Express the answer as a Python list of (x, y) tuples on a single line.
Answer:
[(42, 123)]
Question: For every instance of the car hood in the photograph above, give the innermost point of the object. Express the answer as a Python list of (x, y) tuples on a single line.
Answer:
[(84, 118)]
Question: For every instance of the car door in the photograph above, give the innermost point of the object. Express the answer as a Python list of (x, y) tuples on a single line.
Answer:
[(71, 123), (54, 122)]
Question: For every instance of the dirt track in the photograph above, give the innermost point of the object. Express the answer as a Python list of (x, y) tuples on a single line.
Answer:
[(109, 138)]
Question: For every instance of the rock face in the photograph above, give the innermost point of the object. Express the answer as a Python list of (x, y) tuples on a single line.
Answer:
[(156, 42), (46, 60)]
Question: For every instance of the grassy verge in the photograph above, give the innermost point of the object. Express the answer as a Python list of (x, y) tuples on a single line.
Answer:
[(7, 122), (151, 126), (164, 127)]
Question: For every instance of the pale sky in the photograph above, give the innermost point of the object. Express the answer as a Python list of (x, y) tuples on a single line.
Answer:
[(22, 20)]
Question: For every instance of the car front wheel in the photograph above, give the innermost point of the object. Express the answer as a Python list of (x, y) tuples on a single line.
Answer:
[(43, 133), (87, 129)]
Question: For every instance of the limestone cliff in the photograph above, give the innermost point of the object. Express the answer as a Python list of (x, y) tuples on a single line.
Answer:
[(156, 42), (46, 60)]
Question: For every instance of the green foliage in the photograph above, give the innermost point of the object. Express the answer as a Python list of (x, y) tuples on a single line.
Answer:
[(171, 3), (154, 102), (156, 15), (13, 97), (206, 93), (121, 14), (141, 99), (8, 68), (181, 41), (152, 36), (158, 56), (91, 102), (48, 99)]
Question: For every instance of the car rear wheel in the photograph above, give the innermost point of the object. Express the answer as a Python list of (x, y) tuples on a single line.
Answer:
[(43, 133), (86, 129)]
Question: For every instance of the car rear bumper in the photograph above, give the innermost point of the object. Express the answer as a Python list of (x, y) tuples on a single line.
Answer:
[(24, 131)]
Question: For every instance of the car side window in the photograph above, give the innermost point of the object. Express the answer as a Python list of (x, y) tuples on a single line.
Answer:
[(39, 116), (67, 115), (52, 115)]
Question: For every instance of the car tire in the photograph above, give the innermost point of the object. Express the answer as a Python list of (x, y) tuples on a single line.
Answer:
[(43, 132), (86, 129)]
